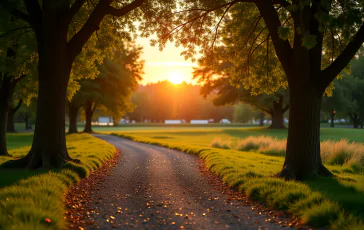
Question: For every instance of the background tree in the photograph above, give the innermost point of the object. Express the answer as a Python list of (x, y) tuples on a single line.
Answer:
[(275, 104), (111, 90), (27, 112), (314, 40), (348, 96), (16, 57)]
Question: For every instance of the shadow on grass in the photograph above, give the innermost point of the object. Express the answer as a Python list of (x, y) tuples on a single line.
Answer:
[(11, 176), (347, 196)]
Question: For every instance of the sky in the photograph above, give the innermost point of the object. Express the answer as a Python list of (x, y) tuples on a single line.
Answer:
[(166, 64)]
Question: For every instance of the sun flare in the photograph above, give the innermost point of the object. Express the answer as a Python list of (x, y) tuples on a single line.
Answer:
[(175, 78)]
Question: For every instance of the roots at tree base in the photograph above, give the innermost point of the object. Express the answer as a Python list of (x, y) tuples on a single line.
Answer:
[(40, 161), (290, 173), (5, 154)]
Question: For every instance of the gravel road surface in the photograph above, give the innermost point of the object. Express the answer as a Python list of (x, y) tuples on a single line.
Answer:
[(158, 188)]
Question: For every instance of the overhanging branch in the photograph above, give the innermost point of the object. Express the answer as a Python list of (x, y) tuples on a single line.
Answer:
[(15, 12), (330, 73), (125, 9), (76, 6)]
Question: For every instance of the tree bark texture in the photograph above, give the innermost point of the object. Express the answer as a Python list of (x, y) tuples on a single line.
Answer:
[(88, 114), (73, 112), (303, 159)]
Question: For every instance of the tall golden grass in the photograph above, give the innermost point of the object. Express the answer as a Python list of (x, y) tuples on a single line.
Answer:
[(340, 152)]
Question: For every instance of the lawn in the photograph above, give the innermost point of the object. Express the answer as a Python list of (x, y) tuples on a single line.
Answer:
[(337, 203), (34, 199), (202, 136)]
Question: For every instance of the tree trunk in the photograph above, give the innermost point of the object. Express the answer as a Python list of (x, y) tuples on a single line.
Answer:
[(54, 67), (11, 114), (356, 119), (88, 115), (3, 122), (27, 124), (356, 123), (7, 87), (73, 111), (114, 119), (303, 158), (261, 119), (277, 115), (11, 123)]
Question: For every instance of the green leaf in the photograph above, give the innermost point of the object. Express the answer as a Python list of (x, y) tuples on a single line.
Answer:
[(283, 32), (309, 41)]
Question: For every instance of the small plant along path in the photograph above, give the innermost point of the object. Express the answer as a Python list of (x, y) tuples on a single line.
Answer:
[(154, 187)]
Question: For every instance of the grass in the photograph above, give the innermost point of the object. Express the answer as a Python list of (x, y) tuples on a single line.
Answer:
[(18, 140), (341, 152), (335, 203), (35, 199)]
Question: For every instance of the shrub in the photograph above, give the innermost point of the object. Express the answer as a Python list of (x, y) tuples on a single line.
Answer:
[(218, 143)]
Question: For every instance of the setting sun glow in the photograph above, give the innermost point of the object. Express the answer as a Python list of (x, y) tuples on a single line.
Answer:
[(175, 78)]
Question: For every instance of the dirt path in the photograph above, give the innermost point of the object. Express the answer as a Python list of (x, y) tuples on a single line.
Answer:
[(158, 188)]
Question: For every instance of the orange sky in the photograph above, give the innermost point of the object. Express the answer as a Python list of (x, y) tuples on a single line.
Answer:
[(165, 65)]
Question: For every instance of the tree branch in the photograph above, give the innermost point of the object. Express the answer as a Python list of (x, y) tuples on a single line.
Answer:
[(92, 24), (17, 106), (285, 108), (330, 73), (269, 111), (15, 12), (125, 9), (76, 6), (283, 48), (282, 3), (14, 30)]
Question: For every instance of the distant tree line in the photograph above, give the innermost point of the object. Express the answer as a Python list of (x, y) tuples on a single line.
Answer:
[(163, 100)]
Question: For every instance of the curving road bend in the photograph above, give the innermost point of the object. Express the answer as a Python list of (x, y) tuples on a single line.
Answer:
[(158, 188)]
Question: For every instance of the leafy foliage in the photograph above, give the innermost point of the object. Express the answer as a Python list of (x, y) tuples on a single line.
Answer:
[(118, 78)]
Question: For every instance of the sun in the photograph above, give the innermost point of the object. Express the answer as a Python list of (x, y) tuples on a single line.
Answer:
[(175, 78)]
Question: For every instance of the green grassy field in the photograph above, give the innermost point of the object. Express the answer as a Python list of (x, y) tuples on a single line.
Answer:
[(203, 136), (337, 203), (28, 197)]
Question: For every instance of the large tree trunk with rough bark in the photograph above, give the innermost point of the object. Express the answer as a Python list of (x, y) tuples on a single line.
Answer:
[(89, 111), (303, 158), (54, 67), (73, 112)]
